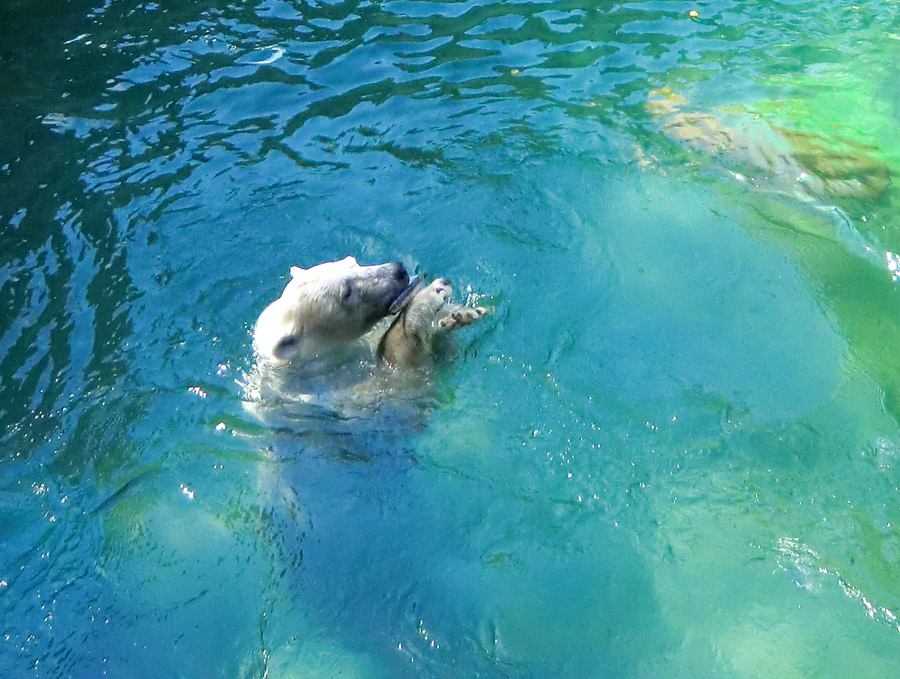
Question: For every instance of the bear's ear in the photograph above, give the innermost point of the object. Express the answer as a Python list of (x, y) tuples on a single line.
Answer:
[(286, 348), (298, 272)]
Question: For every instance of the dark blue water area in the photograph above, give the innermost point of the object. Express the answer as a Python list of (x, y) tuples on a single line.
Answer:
[(670, 449)]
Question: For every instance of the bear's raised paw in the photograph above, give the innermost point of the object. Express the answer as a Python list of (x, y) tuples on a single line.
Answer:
[(461, 316)]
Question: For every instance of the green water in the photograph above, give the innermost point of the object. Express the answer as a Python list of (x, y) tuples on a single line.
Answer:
[(670, 451)]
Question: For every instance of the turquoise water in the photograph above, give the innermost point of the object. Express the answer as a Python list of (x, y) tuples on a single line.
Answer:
[(670, 451)]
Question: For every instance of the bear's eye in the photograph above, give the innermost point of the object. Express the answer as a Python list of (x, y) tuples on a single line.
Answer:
[(348, 290)]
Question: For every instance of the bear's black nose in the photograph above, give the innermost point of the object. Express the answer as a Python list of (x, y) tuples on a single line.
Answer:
[(398, 271)]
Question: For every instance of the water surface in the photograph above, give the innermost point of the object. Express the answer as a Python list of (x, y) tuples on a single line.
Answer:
[(670, 451)]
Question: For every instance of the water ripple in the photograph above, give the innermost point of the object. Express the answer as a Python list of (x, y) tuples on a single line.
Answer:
[(161, 163)]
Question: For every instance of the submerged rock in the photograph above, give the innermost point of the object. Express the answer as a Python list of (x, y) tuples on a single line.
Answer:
[(806, 161)]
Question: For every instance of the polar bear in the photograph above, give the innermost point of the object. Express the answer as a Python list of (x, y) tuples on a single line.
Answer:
[(326, 306)]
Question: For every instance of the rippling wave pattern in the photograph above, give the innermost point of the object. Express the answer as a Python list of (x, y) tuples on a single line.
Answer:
[(671, 449)]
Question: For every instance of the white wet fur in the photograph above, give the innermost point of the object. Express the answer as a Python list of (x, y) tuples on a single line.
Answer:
[(324, 307), (326, 341)]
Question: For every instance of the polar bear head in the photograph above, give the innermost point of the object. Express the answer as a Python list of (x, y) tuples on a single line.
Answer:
[(327, 305)]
